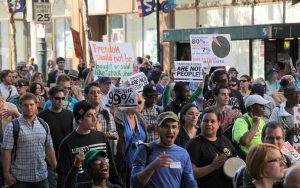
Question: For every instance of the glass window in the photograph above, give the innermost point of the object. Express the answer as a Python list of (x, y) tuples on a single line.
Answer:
[(150, 37), (3, 10), (21, 42), (181, 17), (184, 3), (4, 45), (62, 8), (134, 33), (63, 40), (268, 13), (238, 15), (97, 6), (292, 13), (116, 28), (258, 58), (210, 17), (240, 56)]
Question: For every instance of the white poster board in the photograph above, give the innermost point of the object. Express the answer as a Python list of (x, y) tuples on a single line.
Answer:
[(288, 150), (188, 71), (214, 49), (138, 81), (297, 125), (112, 59), (122, 97)]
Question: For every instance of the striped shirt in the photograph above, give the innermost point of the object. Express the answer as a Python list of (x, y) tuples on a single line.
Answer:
[(30, 165)]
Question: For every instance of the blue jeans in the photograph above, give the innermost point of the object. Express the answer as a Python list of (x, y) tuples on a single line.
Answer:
[(40, 184)]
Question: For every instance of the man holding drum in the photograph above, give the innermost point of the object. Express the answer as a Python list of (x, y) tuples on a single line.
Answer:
[(209, 152)]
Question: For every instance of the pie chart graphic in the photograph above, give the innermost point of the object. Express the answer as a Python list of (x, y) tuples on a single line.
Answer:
[(220, 46)]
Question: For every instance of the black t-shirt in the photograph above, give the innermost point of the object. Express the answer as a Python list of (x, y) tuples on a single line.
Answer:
[(60, 124), (235, 100), (72, 145), (202, 152)]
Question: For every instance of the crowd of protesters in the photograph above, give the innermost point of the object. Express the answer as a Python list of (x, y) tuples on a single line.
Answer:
[(61, 132)]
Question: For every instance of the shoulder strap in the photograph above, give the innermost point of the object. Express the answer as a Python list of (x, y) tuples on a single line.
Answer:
[(44, 124), (149, 150), (105, 114), (247, 121), (16, 130)]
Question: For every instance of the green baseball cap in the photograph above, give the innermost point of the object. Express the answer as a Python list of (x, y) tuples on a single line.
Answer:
[(90, 156)]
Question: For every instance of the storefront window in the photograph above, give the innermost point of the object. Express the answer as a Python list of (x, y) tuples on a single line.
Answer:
[(4, 45), (268, 13), (3, 10), (238, 15), (116, 28), (184, 3), (258, 58), (62, 8), (292, 13), (240, 56), (150, 39), (21, 44), (134, 33), (182, 15), (211, 17)]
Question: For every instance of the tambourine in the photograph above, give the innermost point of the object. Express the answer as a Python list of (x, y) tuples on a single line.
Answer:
[(232, 165)]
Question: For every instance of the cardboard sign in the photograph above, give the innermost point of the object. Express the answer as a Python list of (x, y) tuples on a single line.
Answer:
[(138, 81), (112, 59), (212, 49), (288, 150), (297, 125), (188, 71), (77, 43), (122, 97)]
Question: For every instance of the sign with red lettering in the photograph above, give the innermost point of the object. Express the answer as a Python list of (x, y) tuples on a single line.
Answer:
[(77, 43), (112, 59), (214, 49)]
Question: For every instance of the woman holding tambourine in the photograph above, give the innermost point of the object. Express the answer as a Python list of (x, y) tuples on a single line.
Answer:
[(209, 151)]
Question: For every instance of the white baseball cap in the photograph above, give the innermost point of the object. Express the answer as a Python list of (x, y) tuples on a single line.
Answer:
[(255, 99)]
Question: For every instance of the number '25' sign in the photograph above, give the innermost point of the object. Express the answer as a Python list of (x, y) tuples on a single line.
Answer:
[(42, 12)]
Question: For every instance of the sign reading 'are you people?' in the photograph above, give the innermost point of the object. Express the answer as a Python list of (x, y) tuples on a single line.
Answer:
[(188, 71), (138, 81), (214, 49), (112, 59)]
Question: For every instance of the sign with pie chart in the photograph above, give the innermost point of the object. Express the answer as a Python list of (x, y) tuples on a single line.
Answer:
[(213, 49)]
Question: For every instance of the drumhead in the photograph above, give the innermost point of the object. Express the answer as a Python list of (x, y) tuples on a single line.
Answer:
[(232, 165)]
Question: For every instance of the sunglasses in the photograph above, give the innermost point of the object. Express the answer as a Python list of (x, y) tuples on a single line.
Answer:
[(243, 80), (98, 162), (59, 98), (232, 85)]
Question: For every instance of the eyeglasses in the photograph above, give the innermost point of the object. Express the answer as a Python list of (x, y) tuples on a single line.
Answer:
[(232, 85), (280, 161), (67, 88), (243, 80), (98, 162), (59, 98)]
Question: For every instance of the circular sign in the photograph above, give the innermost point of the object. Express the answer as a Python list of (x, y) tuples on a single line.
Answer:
[(220, 46)]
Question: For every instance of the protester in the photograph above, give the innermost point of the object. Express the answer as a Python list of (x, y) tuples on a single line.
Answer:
[(15, 77), (60, 63), (165, 164), (36, 89), (234, 84), (182, 94), (163, 82), (272, 84), (32, 67), (247, 129), (96, 164), (105, 86), (76, 85), (285, 114), (23, 70), (146, 67), (6, 88), (131, 130), (292, 177), (209, 151), (245, 84), (297, 74), (22, 87), (154, 74), (8, 111), (24, 164), (232, 73), (189, 115), (265, 165), (65, 82), (83, 139), (60, 122), (151, 111), (38, 77)]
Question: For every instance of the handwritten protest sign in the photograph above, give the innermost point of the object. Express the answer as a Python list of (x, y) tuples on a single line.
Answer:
[(112, 59), (288, 150), (188, 71), (122, 97), (77, 43), (212, 49), (297, 125), (138, 81)]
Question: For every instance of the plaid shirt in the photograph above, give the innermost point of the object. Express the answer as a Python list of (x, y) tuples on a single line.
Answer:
[(30, 165), (151, 118), (105, 128)]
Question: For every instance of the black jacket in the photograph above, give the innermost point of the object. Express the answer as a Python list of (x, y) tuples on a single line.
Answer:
[(52, 77), (182, 137)]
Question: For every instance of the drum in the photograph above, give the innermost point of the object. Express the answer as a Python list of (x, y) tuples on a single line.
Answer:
[(232, 165)]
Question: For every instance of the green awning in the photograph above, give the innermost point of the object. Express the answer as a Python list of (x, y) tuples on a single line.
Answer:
[(237, 32)]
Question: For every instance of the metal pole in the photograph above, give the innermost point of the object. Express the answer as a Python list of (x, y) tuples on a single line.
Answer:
[(158, 29), (42, 53)]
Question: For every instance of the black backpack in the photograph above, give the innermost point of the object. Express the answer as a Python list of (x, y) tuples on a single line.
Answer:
[(16, 130), (228, 134)]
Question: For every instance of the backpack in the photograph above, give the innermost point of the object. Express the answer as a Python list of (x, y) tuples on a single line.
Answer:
[(228, 134), (16, 130), (105, 114)]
